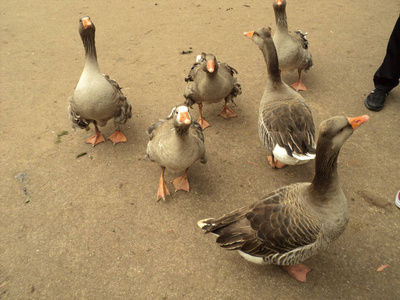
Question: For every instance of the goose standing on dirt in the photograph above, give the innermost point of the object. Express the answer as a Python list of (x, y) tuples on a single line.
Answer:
[(285, 125), (292, 47), (209, 82), (296, 221), (175, 143), (97, 98)]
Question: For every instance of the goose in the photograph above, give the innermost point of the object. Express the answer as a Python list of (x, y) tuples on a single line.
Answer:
[(286, 127), (210, 81), (294, 222), (292, 47), (97, 98), (176, 143)]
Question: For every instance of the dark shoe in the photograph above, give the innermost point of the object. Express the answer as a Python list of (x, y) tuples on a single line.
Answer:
[(376, 100)]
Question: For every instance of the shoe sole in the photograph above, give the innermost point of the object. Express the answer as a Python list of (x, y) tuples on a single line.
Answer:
[(370, 107)]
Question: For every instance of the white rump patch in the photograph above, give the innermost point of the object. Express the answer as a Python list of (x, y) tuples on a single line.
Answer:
[(251, 258), (297, 159)]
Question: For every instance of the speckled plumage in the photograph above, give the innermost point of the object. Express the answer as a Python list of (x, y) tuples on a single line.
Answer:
[(286, 126), (174, 146), (292, 47), (296, 221), (96, 98)]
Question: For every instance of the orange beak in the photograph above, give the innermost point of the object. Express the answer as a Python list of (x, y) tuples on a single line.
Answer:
[(184, 118), (86, 22), (357, 121), (279, 2), (210, 66), (249, 34)]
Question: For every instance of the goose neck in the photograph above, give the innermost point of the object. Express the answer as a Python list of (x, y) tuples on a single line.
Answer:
[(271, 59), (326, 176)]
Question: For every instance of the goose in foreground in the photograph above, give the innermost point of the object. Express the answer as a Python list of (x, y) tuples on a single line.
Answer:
[(296, 221), (175, 143), (210, 81), (292, 47), (285, 124), (97, 98)]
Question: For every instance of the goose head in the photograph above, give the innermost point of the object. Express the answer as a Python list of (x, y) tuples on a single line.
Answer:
[(86, 27), (181, 116), (259, 36), (336, 130), (209, 61), (279, 5)]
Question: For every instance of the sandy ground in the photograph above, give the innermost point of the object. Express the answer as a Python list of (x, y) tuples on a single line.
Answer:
[(90, 227)]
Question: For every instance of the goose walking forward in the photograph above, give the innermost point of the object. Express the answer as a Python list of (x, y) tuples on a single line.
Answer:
[(285, 124), (292, 47), (210, 81), (176, 143), (296, 221), (97, 98)]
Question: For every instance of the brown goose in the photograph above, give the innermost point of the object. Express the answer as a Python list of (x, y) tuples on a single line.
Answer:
[(285, 125), (209, 82), (294, 222), (292, 47), (175, 143), (97, 98)]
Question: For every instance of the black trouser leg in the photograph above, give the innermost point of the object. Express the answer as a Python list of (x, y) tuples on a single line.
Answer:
[(388, 74)]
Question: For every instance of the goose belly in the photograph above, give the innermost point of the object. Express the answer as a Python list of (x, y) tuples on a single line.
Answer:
[(213, 92), (175, 157), (95, 98)]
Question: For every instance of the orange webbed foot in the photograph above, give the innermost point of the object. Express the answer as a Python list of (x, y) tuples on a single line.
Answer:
[(203, 123), (226, 112), (298, 272), (181, 183), (117, 137), (298, 86), (275, 164), (95, 139), (162, 190)]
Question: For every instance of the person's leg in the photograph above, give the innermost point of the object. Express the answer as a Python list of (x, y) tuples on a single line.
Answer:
[(388, 74)]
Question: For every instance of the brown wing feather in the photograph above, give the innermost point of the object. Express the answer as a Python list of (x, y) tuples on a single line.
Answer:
[(267, 227), (290, 125)]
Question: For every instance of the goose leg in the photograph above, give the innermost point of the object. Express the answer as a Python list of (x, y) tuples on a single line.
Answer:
[(97, 138), (298, 86), (117, 137), (162, 187), (275, 164), (203, 123), (181, 183), (226, 112), (298, 271)]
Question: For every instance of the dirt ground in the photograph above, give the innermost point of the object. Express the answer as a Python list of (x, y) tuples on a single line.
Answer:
[(90, 227)]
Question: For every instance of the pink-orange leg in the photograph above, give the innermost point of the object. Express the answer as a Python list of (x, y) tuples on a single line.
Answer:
[(117, 137), (298, 272), (275, 164), (226, 112), (298, 86), (181, 183), (162, 187), (203, 123), (97, 138)]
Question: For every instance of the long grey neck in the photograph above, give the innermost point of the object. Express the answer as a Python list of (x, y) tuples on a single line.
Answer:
[(326, 177), (280, 19), (90, 48), (271, 59)]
